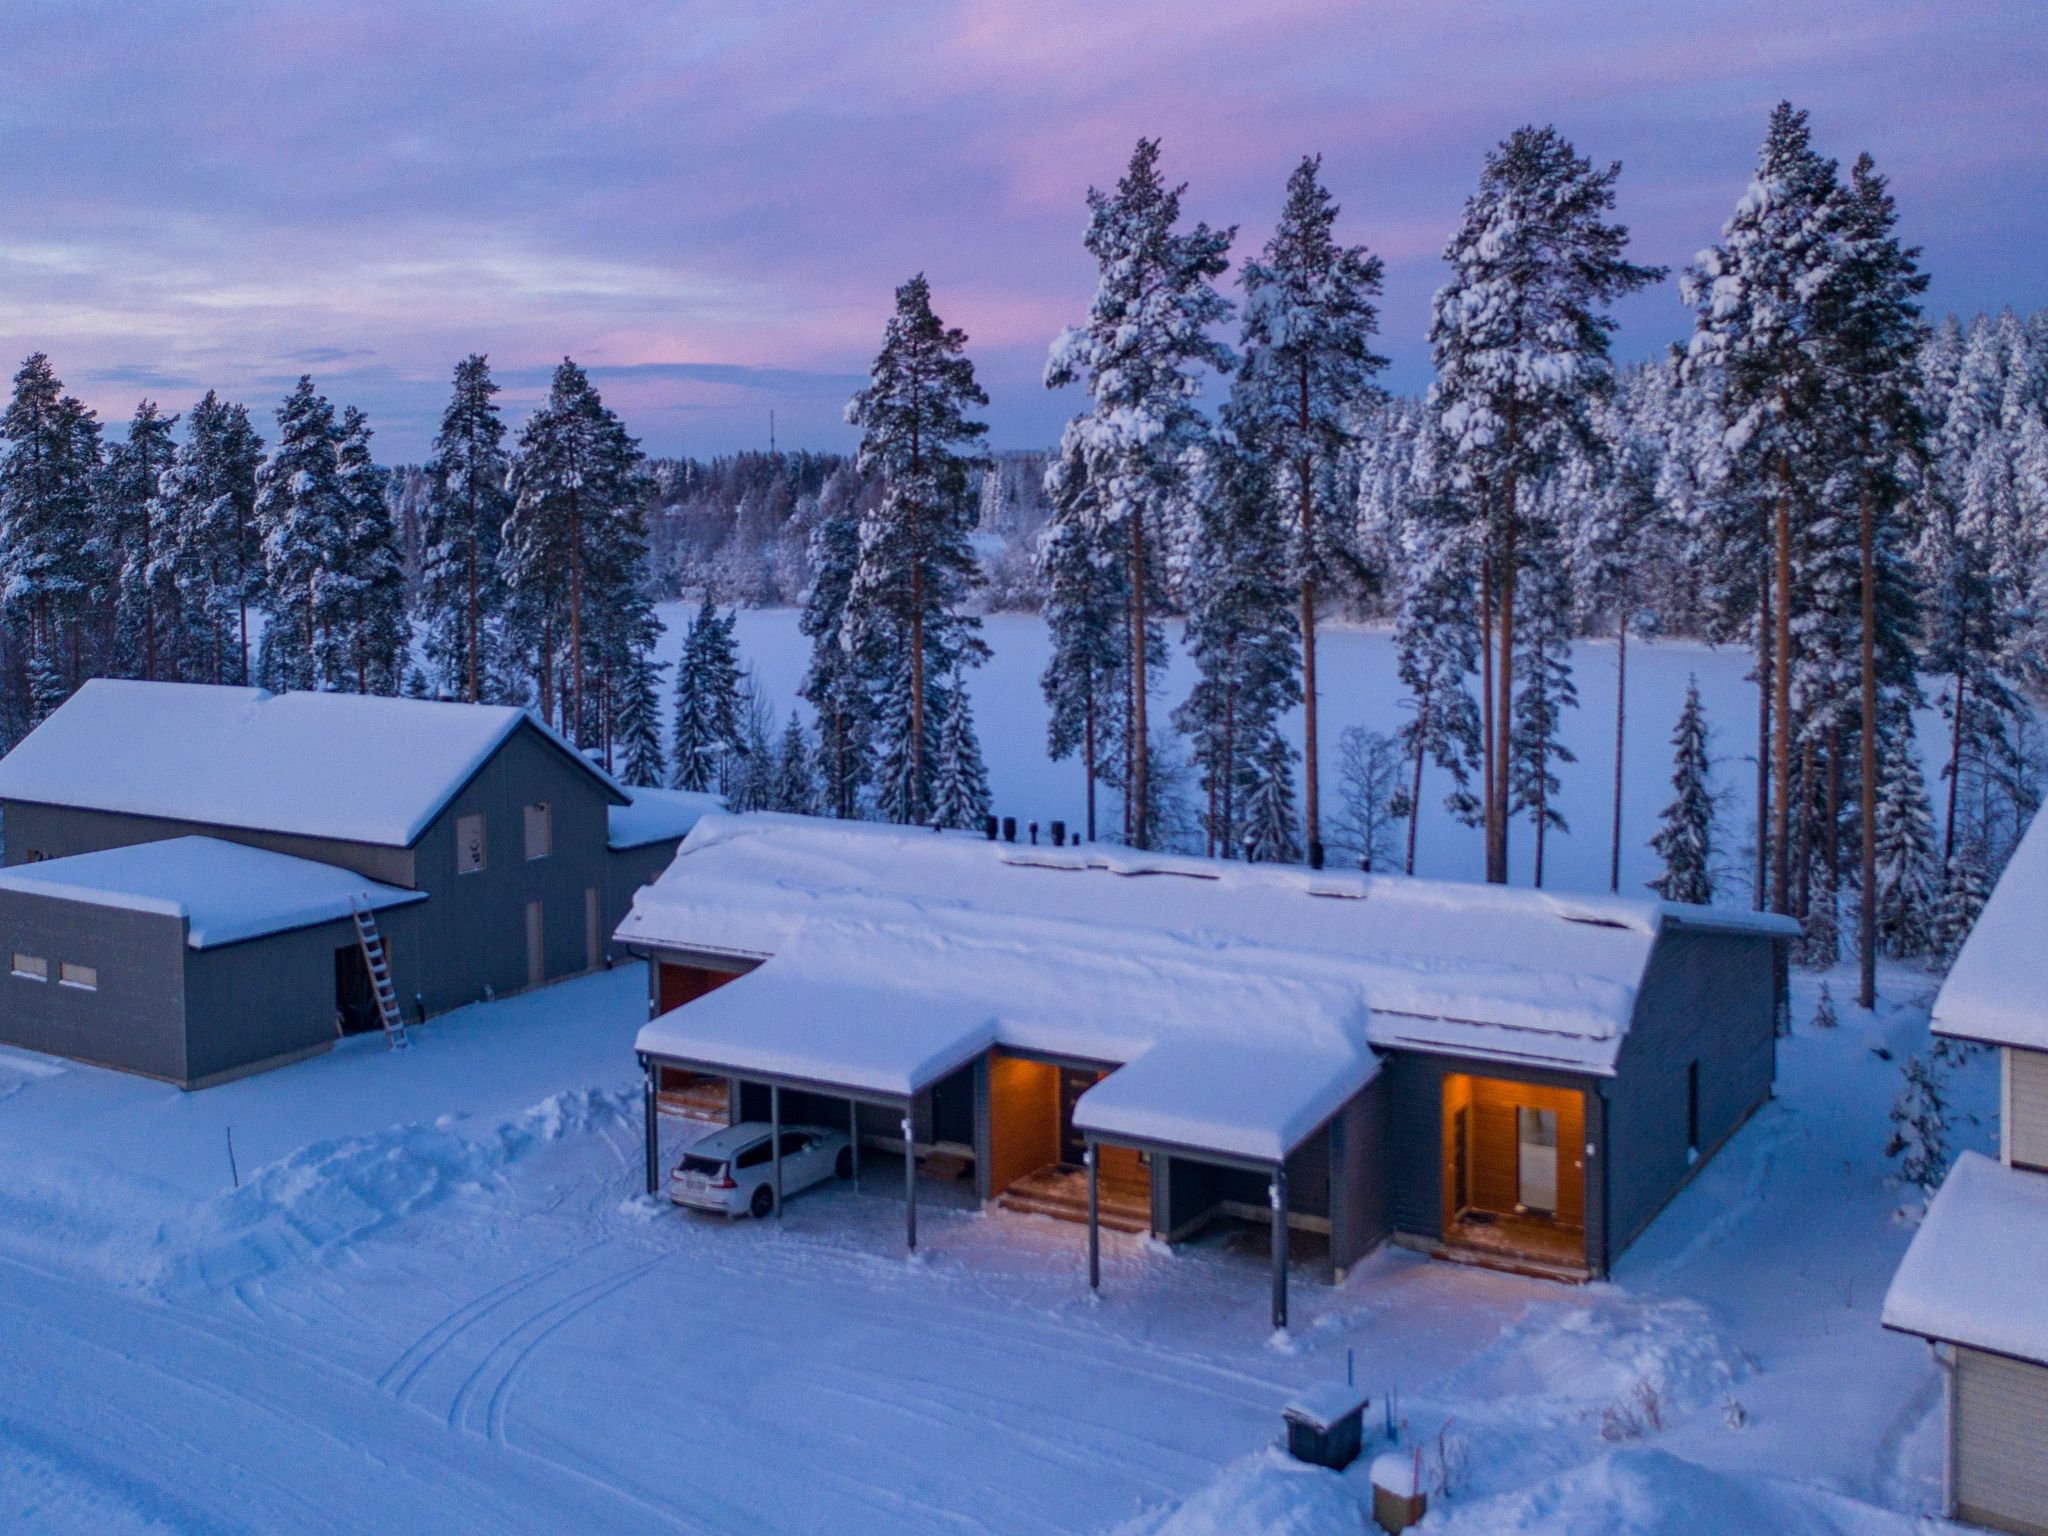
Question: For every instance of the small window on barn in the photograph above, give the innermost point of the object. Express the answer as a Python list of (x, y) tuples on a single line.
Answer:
[(469, 845), (540, 831), (31, 967), (84, 977)]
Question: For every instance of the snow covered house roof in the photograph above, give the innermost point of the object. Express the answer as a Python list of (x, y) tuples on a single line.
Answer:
[(1189, 970), (354, 767), (226, 891), (1977, 1271), (658, 815), (1997, 990)]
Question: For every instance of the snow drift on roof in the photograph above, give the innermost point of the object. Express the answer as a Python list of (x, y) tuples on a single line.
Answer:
[(1977, 1272), (1524, 974), (348, 766), (658, 815), (1997, 991), (228, 891)]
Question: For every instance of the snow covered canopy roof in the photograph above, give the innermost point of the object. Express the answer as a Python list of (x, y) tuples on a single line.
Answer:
[(1977, 1271), (1191, 970), (354, 767), (226, 891), (658, 815), (1997, 991)]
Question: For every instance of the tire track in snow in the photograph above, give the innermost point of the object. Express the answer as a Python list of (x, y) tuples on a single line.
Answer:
[(403, 1374), (539, 1328)]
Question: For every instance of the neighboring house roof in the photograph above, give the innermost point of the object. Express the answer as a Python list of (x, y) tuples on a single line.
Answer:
[(1977, 1271), (226, 891), (658, 815), (354, 767), (1188, 967), (1997, 990)]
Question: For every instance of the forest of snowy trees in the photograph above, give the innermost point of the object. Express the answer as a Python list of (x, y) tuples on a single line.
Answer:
[(1855, 496)]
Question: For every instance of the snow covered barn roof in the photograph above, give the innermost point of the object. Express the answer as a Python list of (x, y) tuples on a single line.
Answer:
[(227, 891), (1997, 991), (357, 768), (1977, 1272), (1185, 968), (658, 815)]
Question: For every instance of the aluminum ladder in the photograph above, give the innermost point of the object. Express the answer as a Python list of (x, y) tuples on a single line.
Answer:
[(379, 964)]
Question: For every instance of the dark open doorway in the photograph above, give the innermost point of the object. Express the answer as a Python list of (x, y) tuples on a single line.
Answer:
[(355, 1001)]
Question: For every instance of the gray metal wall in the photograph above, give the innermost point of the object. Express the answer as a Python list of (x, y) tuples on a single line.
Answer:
[(1414, 1088), (135, 1020), (1706, 997), (55, 832), (1358, 1176)]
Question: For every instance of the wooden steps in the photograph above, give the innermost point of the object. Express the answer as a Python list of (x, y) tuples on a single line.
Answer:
[(1062, 1193)]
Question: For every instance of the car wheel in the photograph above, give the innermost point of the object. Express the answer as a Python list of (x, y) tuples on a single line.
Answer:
[(763, 1203), (843, 1166)]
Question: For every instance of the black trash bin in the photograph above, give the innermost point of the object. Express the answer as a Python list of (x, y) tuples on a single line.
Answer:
[(1325, 1425)]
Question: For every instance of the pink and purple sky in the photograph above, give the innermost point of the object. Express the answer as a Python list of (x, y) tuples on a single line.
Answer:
[(709, 204)]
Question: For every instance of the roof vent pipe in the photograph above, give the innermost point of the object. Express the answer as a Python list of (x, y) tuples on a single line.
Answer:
[(1059, 834), (1009, 829), (1034, 834), (988, 827), (1315, 853)]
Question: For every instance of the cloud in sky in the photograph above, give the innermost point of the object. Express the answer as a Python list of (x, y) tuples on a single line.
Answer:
[(709, 205)]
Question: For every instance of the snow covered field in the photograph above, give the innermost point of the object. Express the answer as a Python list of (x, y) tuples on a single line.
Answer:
[(436, 1301)]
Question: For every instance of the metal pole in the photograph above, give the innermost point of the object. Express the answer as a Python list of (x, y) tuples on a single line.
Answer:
[(1277, 1191), (649, 1109), (909, 1186), (775, 1141), (853, 1131), (1094, 1223)]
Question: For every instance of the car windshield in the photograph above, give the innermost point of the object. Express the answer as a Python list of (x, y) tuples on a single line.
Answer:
[(696, 1164)]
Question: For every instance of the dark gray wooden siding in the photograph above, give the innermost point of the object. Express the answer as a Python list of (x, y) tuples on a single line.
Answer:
[(1357, 1140), (626, 870), (134, 1020), (1708, 998), (56, 832), (1414, 1088)]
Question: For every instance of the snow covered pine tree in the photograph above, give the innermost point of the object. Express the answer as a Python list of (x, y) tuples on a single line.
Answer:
[(1685, 840)]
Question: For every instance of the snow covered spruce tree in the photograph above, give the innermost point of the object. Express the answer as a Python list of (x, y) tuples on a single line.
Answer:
[(137, 535), (915, 567), (1920, 1139), (1904, 879), (1759, 343), (835, 684), (1245, 646), (1520, 337), (1685, 838), (49, 456), (709, 728), (461, 588), (1305, 377), (1141, 355), (960, 792), (794, 790), (637, 728), (302, 519), (573, 542), (209, 492), (369, 590)]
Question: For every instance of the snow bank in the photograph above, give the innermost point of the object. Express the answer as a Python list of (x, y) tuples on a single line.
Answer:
[(226, 891), (354, 766), (1994, 991), (332, 1194), (1977, 1272), (1269, 1494)]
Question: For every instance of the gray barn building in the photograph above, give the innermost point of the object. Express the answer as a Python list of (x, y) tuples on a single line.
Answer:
[(1514, 1078), (515, 857)]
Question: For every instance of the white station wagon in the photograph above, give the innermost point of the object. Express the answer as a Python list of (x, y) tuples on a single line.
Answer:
[(733, 1171)]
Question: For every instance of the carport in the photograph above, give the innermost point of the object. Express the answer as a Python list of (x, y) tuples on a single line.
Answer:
[(778, 1028), (1230, 1109)]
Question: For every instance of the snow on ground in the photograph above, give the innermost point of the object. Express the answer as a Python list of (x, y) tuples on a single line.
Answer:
[(437, 1301)]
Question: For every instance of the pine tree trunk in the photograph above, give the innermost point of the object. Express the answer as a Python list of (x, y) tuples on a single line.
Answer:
[(574, 712), (1620, 728), (1955, 776), (1088, 747), (1141, 833), (470, 680), (1781, 681), (1311, 770), (917, 805), (1415, 790), (1504, 683), (1760, 886), (1488, 745)]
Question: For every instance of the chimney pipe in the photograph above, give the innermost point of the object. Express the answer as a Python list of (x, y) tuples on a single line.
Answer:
[(1059, 834), (1315, 853), (1009, 829), (988, 828), (1034, 834)]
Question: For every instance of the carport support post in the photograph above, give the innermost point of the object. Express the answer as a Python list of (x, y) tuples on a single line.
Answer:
[(1094, 1221), (1278, 1194), (649, 1110), (853, 1138), (775, 1141), (909, 1185)]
